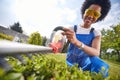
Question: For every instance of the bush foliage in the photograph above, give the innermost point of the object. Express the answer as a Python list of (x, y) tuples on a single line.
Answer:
[(7, 37), (35, 38), (45, 67)]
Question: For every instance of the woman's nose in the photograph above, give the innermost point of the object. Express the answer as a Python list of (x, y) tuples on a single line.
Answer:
[(90, 17)]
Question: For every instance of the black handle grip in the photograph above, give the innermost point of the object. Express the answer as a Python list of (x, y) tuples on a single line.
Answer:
[(58, 28)]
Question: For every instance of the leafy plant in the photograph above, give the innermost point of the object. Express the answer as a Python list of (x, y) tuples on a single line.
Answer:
[(48, 67), (35, 38), (7, 37)]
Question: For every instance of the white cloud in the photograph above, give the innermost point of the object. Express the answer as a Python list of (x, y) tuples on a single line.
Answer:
[(62, 2), (45, 15), (101, 25), (36, 15), (70, 14), (42, 16), (116, 5)]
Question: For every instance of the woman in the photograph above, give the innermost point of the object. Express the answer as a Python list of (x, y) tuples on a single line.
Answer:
[(85, 42)]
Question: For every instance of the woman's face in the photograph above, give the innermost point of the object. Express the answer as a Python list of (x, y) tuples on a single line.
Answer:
[(92, 14)]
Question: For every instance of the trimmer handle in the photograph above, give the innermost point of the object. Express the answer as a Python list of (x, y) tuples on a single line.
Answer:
[(57, 46), (54, 31)]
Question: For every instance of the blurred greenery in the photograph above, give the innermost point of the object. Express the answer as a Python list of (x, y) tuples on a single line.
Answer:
[(52, 67)]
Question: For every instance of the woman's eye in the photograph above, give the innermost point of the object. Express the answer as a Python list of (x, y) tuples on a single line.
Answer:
[(89, 12), (95, 14)]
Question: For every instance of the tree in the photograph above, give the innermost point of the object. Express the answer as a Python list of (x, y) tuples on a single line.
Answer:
[(105, 43), (44, 39), (35, 38), (111, 39), (116, 40), (17, 27)]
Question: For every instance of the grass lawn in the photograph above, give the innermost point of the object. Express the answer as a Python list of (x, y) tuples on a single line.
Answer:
[(114, 68)]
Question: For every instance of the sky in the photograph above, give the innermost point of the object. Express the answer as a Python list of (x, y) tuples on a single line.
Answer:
[(44, 15)]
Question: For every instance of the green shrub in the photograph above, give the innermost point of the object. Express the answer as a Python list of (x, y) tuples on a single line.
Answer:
[(45, 67), (35, 38), (7, 37)]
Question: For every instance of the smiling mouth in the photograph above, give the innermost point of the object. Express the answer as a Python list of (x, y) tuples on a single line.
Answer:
[(88, 20)]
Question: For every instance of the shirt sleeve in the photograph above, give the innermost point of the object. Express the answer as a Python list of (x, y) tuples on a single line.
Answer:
[(97, 33)]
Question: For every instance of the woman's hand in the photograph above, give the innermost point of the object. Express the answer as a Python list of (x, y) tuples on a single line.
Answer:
[(70, 35), (93, 51)]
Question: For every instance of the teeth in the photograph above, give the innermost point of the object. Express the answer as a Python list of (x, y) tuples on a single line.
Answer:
[(90, 19)]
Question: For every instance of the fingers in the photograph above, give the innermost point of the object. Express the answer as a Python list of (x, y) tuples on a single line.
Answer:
[(67, 30), (68, 33)]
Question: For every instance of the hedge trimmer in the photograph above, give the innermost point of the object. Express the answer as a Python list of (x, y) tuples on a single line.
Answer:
[(55, 44), (10, 48)]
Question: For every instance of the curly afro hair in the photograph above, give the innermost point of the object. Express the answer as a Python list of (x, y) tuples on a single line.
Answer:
[(105, 5)]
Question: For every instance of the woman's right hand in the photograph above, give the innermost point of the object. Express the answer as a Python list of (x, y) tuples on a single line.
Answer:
[(70, 35)]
